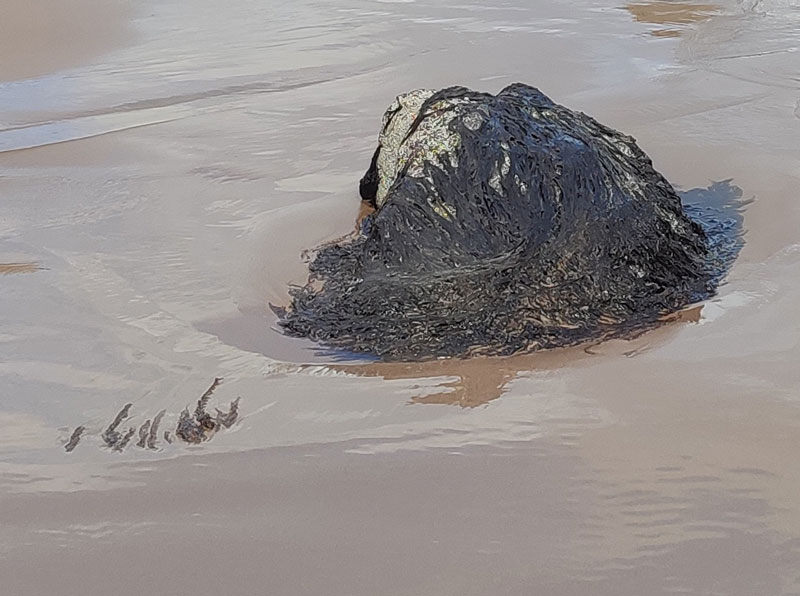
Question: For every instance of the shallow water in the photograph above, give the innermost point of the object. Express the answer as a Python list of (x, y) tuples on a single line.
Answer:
[(158, 190)]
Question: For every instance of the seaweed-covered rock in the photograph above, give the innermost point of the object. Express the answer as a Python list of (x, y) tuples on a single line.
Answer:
[(503, 224)]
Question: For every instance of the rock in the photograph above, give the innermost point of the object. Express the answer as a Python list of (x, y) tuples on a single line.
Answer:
[(503, 224)]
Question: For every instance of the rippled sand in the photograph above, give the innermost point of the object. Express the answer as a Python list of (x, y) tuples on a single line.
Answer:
[(162, 169)]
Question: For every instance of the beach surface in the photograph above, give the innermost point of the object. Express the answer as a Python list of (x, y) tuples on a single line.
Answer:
[(163, 166)]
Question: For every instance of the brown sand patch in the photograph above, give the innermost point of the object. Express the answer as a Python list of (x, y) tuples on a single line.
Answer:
[(670, 13), (42, 37), (10, 268)]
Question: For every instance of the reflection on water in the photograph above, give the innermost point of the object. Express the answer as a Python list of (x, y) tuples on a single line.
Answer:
[(473, 382), (467, 383), (670, 13)]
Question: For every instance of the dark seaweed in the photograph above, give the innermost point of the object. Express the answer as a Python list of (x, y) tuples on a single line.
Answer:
[(144, 433), (152, 438), (577, 238), (123, 442), (200, 426), (111, 437), (192, 428), (74, 439)]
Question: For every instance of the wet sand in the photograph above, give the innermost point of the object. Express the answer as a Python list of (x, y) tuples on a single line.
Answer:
[(42, 37), (166, 192)]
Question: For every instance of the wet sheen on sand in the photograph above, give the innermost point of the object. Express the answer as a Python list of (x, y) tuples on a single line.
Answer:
[(159, 187)]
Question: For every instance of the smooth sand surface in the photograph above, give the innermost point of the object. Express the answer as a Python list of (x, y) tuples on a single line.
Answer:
[(166, 191), (40, 37)]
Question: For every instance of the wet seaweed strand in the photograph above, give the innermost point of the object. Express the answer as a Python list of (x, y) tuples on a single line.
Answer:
[(193, 428)]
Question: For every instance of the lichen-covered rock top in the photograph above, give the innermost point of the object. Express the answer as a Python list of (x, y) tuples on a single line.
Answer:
[(504, 223)]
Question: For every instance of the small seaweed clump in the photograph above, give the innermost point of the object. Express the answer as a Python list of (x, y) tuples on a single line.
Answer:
[(191, 428), (201, 426)]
